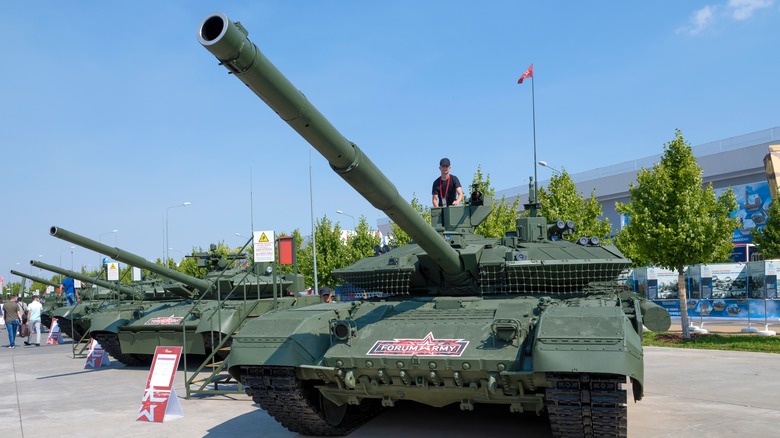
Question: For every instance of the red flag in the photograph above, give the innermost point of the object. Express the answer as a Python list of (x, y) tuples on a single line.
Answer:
[(529, 73)]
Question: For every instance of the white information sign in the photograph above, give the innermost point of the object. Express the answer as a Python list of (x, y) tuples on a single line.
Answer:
[(113, 271), (264, 246)]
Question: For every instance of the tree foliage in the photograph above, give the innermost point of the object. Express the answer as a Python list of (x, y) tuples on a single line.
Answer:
[(332, 253), (561, 201), (361, 244), (673, 221), (504, 215), (767, 238), (398, 237)]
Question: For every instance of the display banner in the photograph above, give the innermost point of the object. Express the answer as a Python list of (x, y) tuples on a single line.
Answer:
[(725, 308), (55, 336), (97, 356), (160, 402)]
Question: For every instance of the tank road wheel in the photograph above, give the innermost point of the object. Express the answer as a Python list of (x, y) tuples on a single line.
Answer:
[(586, 405), (110, 343), (299, 406)]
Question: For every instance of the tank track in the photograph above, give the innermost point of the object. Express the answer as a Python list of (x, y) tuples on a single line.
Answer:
[(110, 343), (296, 404), (587, 405)]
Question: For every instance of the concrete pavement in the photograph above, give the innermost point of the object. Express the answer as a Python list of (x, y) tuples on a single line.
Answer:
[(44, 392)]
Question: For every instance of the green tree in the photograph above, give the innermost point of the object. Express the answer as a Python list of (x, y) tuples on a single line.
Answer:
[(332, 253), (362, 243), (503, 217), (561, 201), (398, 237), (673, 220), (767, 239)]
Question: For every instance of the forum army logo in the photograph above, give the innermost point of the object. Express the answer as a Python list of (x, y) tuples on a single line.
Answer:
[(427, 346)]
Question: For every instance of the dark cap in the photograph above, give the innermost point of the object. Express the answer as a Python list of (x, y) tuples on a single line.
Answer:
[(324, 290), (444, 162)]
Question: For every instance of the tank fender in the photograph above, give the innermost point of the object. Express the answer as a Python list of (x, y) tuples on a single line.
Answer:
[(109, 324), (589, 340)]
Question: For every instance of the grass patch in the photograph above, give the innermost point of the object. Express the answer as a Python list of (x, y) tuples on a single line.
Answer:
[(736, 342)]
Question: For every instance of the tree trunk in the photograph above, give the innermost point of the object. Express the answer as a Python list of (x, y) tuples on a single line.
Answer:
[(683, 294)]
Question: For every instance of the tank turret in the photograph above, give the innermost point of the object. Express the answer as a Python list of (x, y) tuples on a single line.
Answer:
[(218, 280), (452, 260)]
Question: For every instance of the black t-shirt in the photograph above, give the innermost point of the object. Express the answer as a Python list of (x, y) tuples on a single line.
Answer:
[(446, 189)]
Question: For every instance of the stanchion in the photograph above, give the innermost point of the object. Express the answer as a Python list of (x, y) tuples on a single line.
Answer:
[(766, 331), (749, 329)]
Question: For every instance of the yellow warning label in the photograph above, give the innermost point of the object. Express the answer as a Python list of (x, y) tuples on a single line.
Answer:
[(262, 238), (112, 266)]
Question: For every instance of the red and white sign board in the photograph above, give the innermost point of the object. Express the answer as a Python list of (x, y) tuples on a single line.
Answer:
[(55, 336), (160, 402), (97, 356)]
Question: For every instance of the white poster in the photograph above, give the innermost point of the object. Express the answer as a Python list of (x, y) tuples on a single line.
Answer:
[(264, 246), (113, 271)]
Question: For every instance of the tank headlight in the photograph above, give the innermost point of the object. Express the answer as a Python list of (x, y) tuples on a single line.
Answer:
[(343, 329)]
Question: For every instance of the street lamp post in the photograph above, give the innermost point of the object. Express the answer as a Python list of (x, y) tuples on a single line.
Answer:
[(183, 204), (354, 227), (71, 248), (544, 164)]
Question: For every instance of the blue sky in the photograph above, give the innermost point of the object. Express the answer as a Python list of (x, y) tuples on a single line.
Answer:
[(111, 112)]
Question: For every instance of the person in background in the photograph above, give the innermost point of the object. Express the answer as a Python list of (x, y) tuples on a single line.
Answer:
[(12, 316), (446, 189), (325, 294), (71, 294), (34, 320)]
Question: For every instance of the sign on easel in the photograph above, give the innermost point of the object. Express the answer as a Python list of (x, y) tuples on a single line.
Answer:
[(97, 356), (55, 336), (160, 402)]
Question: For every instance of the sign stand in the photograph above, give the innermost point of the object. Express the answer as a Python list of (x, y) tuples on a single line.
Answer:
[(97, 356), (159, 402), (55, 336)]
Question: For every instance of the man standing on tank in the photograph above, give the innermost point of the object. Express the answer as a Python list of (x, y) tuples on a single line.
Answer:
[(71, 294), (446, 188)]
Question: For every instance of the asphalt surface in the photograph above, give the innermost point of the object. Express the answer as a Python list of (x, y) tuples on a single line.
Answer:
[(45, 392)]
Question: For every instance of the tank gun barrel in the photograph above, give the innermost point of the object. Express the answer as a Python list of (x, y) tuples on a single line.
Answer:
[(34, 278), (229, 43), (129, 258), (86, 278)]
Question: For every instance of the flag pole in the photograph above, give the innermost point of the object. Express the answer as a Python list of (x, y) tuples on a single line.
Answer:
[(533, 203), (533, 116)]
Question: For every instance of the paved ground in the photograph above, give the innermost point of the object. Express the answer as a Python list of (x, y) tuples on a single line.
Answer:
[(44, 392)]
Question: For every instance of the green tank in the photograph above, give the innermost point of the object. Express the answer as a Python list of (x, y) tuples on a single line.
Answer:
[(526, 321), (208, 310), (50, 301)]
